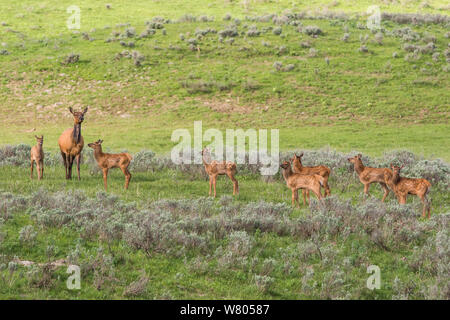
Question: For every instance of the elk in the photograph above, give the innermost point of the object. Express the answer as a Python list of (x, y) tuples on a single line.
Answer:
[(403, 186), (368, 175), (321, 170), (37, 156), (215, 168), (296, 181), (71, 143), (108, 161)]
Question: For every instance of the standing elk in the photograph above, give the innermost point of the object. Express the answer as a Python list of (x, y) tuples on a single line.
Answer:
[(71, 143), (403, 186), (216, 168), (296, 181), (37, 156), (321, 170), (368, 175), (108, 161)]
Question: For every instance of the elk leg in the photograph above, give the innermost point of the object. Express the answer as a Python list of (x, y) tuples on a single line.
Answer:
[(304, 196), (235, 183), (293, 197), (42, 169), (366, 189), (32, 164), (78, 158), (64, 160), (69, 159), (426, 207), (210, 185), (214, 184), (105, 178), (38, 170), (296, 198), (386, 190), (317, 193), (327, 187), (127, 176)]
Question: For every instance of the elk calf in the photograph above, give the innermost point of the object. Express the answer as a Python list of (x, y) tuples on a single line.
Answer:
[(296, 181), (403, 186), (215, 168), (369, 175), (37, 155), (321, 170), (108, 161)]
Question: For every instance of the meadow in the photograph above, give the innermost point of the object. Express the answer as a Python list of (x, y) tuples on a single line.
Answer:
[(311, 69)]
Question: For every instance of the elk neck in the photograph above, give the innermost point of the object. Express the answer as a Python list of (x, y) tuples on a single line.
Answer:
[(395, 177), (76, 136), (287, 173), (359, 167), (98, 153)]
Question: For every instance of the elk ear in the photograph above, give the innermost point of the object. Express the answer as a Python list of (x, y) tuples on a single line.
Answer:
[(71, 110), (42, 136), (301, 155), (85, 110), (359, 156), (36, 136)]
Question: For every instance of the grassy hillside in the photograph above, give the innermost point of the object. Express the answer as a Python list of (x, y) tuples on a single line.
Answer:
[(325, 87)]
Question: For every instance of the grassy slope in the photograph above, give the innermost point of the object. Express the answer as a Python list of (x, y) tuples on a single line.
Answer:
[(314, 105)]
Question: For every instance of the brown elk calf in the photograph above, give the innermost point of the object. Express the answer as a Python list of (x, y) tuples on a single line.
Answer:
[(368, 175), (296, 181), (321, 170), (403, 186), (37, 155), (108, 161), (216, 168)]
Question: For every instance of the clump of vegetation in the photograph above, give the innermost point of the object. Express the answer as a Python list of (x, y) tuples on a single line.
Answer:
[(312, 31), (71, 58)]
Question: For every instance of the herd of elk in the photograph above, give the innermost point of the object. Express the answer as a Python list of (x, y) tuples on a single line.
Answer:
[(37, 156), (216, 168), (296, 175), (108, 161)]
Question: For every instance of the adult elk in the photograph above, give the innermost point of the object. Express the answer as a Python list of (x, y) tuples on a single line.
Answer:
[(403, 186), (321, 170), (216, 168), (368, 175), (296, 181), (108, 161), (71, 143), (37, 156)]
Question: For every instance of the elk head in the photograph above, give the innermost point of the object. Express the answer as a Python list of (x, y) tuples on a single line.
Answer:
[(97, 145), (285, 165), (355, 159), (78, 116), (396, 169), (296, 157), (40, 140)]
